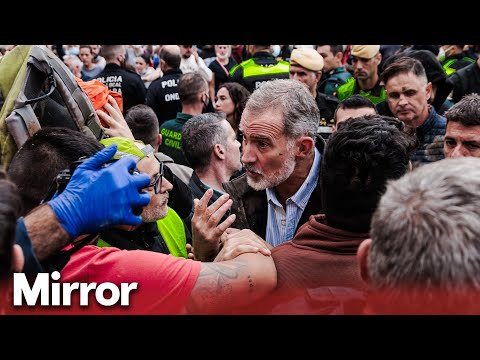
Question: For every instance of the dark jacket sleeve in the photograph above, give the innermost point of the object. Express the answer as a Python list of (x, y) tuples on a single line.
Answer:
[(31, 266), (180, 196)]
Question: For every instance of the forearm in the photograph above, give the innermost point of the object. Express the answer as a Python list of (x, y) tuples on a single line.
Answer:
[(205, 250), (222, 287), (45, 232), (202, 67)]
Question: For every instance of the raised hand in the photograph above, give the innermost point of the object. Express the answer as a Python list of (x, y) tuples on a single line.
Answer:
[(98, 197), (206, 230)]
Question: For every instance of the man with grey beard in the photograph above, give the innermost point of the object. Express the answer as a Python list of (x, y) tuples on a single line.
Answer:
[(279, 190)]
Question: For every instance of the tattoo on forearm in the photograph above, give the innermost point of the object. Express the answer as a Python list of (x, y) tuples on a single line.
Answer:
[(216, 281)]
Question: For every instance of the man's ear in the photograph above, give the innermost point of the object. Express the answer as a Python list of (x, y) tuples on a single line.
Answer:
[(159, 139), (305, 146), (362, 258), (429, 91), (219, 151), (339, 56), (18, 259)]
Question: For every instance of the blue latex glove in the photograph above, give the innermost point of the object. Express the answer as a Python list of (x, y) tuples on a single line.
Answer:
[(96, 197)]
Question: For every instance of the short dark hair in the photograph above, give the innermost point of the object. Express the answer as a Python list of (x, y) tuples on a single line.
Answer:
[(146, 58), (335, 49), (143, 122), (354, 102), (86, 47), (43, 156), (403, 65), (110, 52), (434, 71), (357, 162), (199, 136), (466, 111), (189, 86), (10, 210)]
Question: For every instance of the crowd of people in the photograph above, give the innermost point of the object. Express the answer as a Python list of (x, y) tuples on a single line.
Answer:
[(253, 179)]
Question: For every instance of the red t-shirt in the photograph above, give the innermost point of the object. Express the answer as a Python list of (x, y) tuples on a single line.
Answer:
[(164, 282)]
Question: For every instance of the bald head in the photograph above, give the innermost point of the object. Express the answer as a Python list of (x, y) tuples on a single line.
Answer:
[(170, 54), (172, 49)]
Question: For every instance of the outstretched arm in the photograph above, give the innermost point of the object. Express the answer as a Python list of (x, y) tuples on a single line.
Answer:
[(224, 286), (237, 242), (95, 198)]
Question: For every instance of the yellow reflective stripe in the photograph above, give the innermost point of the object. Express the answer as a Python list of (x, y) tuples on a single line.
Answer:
[(172, 230), (251, 69)]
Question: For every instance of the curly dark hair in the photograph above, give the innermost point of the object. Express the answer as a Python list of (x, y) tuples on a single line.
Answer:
[(359, 159)]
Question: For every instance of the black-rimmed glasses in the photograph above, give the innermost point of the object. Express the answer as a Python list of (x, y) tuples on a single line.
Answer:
[(157, 183)]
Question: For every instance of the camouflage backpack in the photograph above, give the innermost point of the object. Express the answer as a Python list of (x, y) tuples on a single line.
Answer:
[(38, 90)]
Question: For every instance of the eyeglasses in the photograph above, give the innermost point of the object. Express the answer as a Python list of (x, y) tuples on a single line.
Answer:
[(157, 183)]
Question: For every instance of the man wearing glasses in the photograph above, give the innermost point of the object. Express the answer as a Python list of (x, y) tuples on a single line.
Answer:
[(166, 284), (162, 229)]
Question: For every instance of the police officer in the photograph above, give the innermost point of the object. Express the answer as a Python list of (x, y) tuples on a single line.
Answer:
[(306, 66), (261, 67), (119, 79), (334, 73), (453, 58), (366, 78), (162, 94)]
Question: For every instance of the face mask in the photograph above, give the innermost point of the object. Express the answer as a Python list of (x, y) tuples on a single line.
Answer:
[(73, 51), (441, 54), (444, 53), (276, 50)]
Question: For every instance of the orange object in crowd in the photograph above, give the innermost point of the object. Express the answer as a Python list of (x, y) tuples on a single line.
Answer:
[(98, 93)]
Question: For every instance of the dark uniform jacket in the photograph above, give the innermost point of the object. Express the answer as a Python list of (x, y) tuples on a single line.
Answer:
[(162, 96), (171, 131), (125, 82), (327, 105), (456, 62), (329, 83), (465, 81)]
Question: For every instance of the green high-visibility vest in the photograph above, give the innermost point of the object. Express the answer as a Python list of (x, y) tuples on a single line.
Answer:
[(347, 89), (250, 68), (449, 70), (172, 229)]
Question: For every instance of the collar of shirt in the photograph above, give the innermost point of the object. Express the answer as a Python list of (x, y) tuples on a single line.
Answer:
[(204, 187), (301, 197)]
